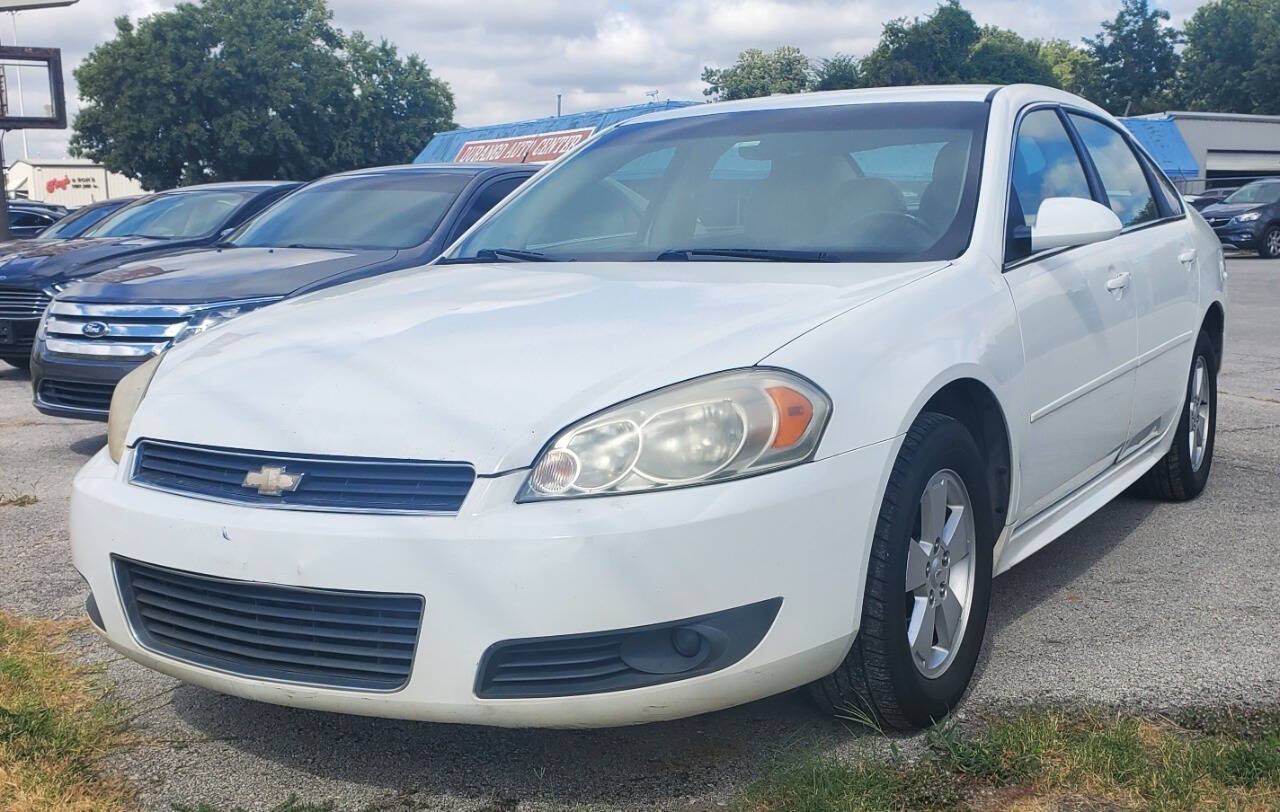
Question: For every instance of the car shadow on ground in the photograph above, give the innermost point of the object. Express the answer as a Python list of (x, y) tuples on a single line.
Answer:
[(663, 764), (88, 446), (8, 373)]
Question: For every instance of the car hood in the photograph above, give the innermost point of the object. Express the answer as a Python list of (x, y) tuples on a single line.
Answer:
[(53, 261), (222, 275), (484, 363), (1230, 210)]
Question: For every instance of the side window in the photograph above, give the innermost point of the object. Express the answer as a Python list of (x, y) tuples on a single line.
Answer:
[(27, 219), (489, 196), (1122, 176), (1165, 190), (1045, 164)]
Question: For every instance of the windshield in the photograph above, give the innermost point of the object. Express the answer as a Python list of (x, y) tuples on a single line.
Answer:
[(875, 182), (393, 210), (78, 222), (1260, 193), (172, 216)]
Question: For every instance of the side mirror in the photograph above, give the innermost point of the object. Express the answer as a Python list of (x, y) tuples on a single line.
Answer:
[(1063, 222)]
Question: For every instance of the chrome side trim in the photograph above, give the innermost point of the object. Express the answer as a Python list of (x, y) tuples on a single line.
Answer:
[(1165, 347)]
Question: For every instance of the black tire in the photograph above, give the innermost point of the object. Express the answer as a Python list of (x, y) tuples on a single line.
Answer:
[(878, 676), (1269, 246), (23, 364), (1174, 477)]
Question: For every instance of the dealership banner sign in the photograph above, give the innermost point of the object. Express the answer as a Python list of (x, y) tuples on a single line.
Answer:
[(523, 149)]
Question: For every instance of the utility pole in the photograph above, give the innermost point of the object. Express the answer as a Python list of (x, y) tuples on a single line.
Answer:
[(557, 105)]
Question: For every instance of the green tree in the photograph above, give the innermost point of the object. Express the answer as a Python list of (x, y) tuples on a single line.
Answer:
[(1264, 76), (1074, 69), (839, 72), (1224, 66), (1002, 57), (932, 50), (756, 73), (1137, 56), (228, 90)]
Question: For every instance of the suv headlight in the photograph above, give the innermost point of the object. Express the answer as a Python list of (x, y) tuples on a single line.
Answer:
[(124, 404), (1248, 217), (711, 429), (206, 319)]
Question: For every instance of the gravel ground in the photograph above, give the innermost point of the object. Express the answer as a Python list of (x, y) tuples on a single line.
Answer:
[(1145, 604)]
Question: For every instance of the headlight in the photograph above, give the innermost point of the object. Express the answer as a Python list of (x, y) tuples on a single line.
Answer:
[(203, 320), (723, 426), (1248, 217), (124, 403)]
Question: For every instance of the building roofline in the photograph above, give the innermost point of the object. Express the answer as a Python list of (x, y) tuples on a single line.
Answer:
[(1211, 116)]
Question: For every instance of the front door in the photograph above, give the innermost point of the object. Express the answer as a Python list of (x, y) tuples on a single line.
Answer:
[(1079, 332)]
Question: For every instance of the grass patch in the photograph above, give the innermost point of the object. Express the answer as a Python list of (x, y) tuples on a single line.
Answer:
[(1050, 758), (21, 500), (55, 724)]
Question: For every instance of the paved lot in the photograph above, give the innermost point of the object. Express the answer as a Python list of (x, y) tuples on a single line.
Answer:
[(1146, 603)]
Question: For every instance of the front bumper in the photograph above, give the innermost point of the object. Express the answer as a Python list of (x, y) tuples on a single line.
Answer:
[(64, 386), (1240, 235), (22, 333), (499, 571)]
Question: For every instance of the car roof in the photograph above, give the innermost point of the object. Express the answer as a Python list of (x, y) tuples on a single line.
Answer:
[(1018, 94), (438, 169), (233, 186)]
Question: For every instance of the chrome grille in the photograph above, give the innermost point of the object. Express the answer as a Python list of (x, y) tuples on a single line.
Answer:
[(16, 303), (1218, 222), (118, 330)]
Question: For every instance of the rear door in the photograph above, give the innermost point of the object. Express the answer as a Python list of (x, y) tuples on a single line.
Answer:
[(1164, 285), (1078, 325)]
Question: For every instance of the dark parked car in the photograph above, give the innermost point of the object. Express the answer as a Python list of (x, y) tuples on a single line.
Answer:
[(156, 224), (335, 230), (69, 227), (26, 221), (1208, 197), (1249, 218)]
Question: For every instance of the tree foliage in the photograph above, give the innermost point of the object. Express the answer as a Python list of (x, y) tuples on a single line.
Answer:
[(1225, 66), (757, 73), (1002, 57), (840, 72), (228, 90), (1137, 57), (1074, 69), (929, 51)]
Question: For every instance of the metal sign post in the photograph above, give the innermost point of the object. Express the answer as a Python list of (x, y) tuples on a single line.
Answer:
[(50, 60)]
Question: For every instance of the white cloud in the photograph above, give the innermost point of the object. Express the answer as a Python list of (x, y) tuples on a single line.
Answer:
[(507, 60)]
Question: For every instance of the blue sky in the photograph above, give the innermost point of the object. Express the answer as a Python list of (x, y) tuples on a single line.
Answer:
[(507, 60)]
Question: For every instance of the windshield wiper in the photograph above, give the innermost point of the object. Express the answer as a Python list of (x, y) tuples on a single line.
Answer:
[(513, 255), (757, 254)]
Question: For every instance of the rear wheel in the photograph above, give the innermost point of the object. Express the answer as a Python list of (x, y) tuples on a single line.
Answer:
[(1270, 248), (924, 612), (1182, 473)]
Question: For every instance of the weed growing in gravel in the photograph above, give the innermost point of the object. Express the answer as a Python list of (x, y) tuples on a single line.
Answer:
[(20, 500), (1040, 758), (55, 724)]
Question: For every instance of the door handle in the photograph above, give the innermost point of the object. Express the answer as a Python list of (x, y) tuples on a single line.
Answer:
[(1187, 257), (1118, 282)]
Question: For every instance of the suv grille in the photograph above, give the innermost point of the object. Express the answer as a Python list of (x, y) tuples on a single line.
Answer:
[(118, 330), (360, 640), (95, 397), (16, 303), (344, 484)]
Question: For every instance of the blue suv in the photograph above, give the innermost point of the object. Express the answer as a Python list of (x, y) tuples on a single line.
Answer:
[(1249, 218)]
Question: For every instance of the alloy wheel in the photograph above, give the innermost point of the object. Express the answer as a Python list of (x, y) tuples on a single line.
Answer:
[(940, 575), (1198, 413)]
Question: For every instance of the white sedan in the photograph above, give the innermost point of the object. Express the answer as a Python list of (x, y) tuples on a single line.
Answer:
[(733, 399)]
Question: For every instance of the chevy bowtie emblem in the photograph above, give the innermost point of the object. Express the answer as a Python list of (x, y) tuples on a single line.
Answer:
[(271, 480)]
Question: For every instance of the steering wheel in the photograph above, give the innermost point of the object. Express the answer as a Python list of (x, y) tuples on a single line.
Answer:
[(919, 235)]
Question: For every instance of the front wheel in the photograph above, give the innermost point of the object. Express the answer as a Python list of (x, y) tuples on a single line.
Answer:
[(1182, 473), (924, 612), (1270, 246)]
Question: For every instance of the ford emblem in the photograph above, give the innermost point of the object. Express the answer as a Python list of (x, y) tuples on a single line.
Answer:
[(94, 329)]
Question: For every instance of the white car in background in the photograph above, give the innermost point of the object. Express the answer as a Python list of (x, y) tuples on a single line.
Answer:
[(736, 398)]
